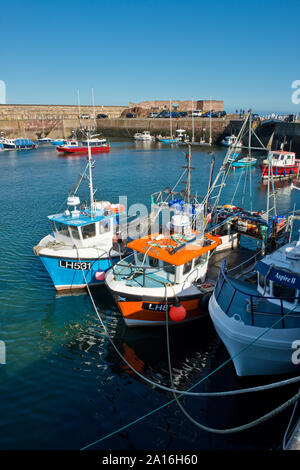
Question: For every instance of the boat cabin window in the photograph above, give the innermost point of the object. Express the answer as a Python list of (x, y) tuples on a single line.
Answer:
[(284, 291), (200, 260), (168, 268), (140, 256), (62, 229), (88, 231), (153, 262), (75, 232), (263, 282), (104, 226), (187, 267)]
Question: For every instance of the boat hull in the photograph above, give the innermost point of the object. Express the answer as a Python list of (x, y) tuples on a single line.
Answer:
[(168, 141), (271, 354), (280, 171), (83, 150), (243, 164), (143, 311), (72, 273)]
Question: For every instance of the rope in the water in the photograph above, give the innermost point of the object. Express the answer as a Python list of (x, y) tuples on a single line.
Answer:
[(241, 428), (284, 444), (193, 386)]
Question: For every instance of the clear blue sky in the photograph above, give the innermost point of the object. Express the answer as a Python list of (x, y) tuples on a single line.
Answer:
[(244, 52)]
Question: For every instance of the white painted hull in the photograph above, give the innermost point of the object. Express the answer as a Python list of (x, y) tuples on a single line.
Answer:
[(269, 355)]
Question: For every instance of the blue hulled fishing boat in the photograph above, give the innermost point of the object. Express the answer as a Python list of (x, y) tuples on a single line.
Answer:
[(244, 162), (80, 248)]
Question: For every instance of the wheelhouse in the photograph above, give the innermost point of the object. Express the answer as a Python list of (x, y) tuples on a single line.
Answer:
[(94, 142), (278, 285), (171, 273), (156, 261), (281, 158), (84, 232)]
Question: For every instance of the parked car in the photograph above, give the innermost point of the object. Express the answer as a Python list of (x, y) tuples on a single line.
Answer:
[(196, 113), (163, 114), (152, 115), (85, 116), (131, 115), (183, 114), (217, 114), (102, 116)]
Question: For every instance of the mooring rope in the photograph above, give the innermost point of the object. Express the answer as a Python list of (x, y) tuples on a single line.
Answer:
[(240, 428), (187, 392)]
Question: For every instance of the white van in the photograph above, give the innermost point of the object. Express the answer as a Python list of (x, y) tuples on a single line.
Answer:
[(196, 113)]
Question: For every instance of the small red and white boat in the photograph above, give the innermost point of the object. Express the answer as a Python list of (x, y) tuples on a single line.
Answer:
[(73, 147), (284, 164)]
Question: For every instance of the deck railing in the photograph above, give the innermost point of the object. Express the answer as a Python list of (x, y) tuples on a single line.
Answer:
[(135, 270), (224, 282), (246, 265)]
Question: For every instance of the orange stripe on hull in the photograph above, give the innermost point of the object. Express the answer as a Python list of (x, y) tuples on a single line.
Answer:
[(134, 311)]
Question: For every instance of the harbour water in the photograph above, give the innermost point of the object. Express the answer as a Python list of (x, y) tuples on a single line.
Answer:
[(63, 386)]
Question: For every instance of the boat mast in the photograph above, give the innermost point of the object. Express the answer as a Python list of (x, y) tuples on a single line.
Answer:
[(188, 186), (43, 124), (78, 101), (250, 133), (93, 102), (171, 130), (90, 163), (188, 180), (193, 126), (210, 120)]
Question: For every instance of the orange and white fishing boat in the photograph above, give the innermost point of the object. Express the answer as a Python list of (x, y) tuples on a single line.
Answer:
[(164, 276)]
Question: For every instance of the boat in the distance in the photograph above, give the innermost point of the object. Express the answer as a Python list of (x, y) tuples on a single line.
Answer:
[(17, 144), (167, 140), (44, 140), (25, 144), (144, 136), (281, 163), (8, 144), (96, 146), (258, 319), (57, 142), (231, 141), (244, 162)]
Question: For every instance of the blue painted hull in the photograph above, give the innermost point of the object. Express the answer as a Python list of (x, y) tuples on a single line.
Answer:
[(241, 164), (65, 278), (168, 141)]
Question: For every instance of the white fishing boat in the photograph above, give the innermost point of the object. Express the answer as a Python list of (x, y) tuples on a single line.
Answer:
[(260, 323), (231, 141), (44, 140), (144, 136), (8, 144)]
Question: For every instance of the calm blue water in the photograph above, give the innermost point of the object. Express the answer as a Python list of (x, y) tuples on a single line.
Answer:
[(63, 386)]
